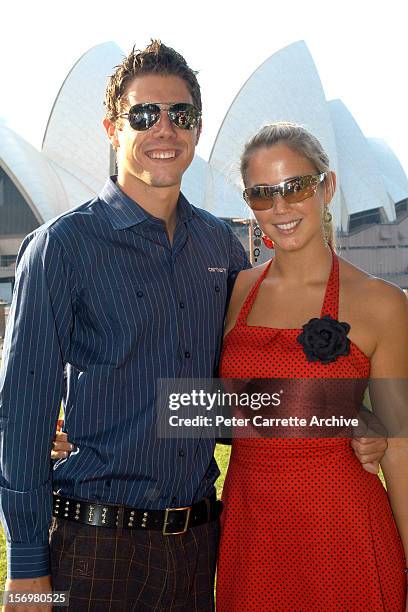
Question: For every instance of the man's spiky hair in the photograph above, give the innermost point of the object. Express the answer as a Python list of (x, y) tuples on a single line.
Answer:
[(156, 58)]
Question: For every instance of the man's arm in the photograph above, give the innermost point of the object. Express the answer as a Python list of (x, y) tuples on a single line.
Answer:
[(36, 346)]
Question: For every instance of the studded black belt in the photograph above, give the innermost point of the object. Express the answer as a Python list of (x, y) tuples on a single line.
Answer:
[(171, 521)]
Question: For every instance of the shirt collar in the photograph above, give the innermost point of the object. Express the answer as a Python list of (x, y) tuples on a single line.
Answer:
[(125, 212)]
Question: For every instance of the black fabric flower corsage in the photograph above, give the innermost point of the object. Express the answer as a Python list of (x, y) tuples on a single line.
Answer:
[(324, 339)]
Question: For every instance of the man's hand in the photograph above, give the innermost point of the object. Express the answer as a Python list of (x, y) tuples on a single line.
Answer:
[(61, 447), (369, 451), (31, 585)]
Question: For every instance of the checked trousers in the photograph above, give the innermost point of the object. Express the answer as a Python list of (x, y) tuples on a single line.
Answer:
[(133, 570)]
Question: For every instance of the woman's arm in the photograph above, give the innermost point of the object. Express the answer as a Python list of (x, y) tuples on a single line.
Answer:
[(389, 373)]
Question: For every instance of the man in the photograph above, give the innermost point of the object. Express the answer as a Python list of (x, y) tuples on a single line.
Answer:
[(124, 290)]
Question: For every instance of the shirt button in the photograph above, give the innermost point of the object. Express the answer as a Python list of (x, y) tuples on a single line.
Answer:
[(181, 304), (174, 500), (187, 355), (181, 453), (217, 289), (139, 294)]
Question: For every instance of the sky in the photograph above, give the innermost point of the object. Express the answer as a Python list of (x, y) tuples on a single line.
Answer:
[(359, 48)]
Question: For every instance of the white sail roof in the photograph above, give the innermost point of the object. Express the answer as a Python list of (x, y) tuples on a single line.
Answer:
[(360, 176)]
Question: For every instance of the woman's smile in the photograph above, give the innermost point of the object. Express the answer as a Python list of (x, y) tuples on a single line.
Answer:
[(287, 228)]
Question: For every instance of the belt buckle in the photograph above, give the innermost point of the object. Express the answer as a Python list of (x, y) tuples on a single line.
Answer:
[(166, 516)]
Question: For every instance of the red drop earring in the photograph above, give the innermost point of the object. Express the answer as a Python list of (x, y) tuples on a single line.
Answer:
[(268, 242)]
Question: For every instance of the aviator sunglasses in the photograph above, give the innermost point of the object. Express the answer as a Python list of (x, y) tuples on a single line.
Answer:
[(144, 116), (292, 191)]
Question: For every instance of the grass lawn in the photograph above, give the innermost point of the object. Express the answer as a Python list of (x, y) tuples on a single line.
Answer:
[(3, 563)]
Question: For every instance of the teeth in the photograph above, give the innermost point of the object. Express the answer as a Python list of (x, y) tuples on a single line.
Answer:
[(161, 154), (287, 226)]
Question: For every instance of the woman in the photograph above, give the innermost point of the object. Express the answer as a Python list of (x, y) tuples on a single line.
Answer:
[(304, 526)]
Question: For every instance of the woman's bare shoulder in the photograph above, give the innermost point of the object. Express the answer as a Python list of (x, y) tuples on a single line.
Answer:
[(382, 298), (246, 278)]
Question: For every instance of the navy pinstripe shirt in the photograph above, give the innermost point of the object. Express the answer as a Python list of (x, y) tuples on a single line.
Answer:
[(101, 289)]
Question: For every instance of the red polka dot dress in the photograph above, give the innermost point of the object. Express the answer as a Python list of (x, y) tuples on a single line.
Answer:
[(304, 527)]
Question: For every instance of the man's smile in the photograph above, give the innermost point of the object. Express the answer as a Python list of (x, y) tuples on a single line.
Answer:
[(162, 153)]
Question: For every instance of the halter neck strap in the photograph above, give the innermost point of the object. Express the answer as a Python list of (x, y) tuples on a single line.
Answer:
[(330, 304), (251, 297), (331, 297)]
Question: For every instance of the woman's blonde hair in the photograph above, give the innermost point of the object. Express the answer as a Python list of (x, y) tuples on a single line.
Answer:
[(296, 138)]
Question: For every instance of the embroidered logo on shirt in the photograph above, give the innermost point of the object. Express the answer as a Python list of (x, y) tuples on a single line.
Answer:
[(217, 269)]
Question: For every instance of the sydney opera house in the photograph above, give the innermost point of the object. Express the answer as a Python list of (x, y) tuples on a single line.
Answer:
[(371, 203)]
